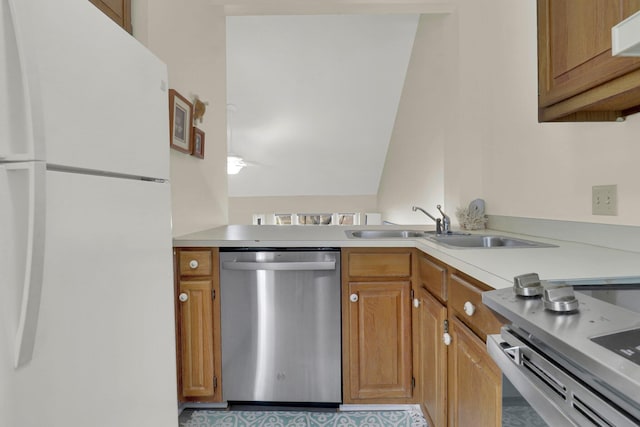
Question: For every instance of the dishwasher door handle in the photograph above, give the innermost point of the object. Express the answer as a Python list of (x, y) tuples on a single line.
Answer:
[(280, 266)]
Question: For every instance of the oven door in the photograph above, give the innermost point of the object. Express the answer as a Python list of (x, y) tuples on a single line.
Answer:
[(557, 397)]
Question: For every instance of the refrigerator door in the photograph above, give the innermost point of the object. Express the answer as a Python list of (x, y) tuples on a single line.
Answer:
[(105, 346), (16, 131), (22, 222), (103, 95)]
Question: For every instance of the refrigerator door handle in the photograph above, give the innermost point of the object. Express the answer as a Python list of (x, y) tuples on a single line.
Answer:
[(34, 239), (31, 146)]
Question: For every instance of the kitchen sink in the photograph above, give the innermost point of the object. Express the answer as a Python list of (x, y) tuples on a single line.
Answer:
[(384, 234), (485, 241)]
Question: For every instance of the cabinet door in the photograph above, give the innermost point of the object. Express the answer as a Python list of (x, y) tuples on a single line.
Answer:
[(196, 337), (379, 340), (118, 10), (433, 359), (574, 56), (475, 382)]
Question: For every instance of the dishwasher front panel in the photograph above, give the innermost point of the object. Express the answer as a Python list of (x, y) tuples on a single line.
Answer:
[(281, 334)]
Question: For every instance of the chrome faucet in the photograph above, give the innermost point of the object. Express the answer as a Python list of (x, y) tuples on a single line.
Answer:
[(446, 221), (438, 221)]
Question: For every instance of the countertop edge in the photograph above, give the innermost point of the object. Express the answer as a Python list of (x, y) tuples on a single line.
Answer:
[(494, 267)]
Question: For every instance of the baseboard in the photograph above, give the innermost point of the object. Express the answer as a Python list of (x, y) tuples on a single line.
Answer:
[(201, 405), (379, 407)]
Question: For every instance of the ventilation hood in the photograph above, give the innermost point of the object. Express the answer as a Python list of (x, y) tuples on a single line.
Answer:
[(625, 37)]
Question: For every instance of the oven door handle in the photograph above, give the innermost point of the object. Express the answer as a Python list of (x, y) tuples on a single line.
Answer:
[(280, 266), (514, 353)]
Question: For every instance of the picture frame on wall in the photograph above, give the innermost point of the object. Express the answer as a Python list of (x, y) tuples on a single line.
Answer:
[(180, 122), (198, 143)]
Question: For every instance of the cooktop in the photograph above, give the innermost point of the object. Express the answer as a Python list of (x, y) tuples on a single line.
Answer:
[(597, 341), (625, 344)]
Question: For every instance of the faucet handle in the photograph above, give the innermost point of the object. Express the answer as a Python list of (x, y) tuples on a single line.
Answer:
[(446, 221)]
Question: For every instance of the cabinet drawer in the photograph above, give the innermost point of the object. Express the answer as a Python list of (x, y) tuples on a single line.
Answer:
[(195, 263), (433, 277), (482, 321), (380, 264)]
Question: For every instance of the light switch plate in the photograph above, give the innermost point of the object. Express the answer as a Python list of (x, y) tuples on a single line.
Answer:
[(604, 200)]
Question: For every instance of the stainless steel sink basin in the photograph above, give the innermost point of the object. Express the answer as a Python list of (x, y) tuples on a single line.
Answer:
[(485, 241), (384, 234)]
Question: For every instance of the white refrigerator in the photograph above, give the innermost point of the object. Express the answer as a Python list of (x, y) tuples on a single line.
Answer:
[(87, 334)]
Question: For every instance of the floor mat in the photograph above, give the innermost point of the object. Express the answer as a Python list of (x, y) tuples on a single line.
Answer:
[(303, 419), (521, 416)]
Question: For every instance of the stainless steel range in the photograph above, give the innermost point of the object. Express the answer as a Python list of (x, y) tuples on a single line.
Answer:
[(573, 357)]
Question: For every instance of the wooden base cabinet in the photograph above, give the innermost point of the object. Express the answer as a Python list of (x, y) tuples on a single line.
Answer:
[(376, 312), (458, 382), (431, 325), (432, 382), (198, 324), (475, 382)]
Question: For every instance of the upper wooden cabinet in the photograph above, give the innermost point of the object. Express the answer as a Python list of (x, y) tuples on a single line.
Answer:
[(578, 79), (118, 10)]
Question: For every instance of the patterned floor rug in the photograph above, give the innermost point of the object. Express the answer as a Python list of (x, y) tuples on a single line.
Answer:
[(521, 416), (303, 419)]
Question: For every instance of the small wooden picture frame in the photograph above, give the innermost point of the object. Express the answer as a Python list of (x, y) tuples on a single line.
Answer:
[(198, 143), (180, 122)]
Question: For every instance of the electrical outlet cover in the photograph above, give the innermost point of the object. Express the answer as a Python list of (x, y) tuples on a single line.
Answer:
[(604, 200)]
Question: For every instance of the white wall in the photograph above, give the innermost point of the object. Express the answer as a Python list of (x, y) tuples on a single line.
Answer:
[(494, 148), (546, 170), (469, 103), (241, 209), (414, 168), (190, 38)]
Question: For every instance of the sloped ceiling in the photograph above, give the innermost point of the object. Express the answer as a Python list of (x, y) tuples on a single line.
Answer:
[(315, 100)]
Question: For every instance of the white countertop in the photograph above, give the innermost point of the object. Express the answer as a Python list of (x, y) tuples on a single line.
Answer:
[(495, 267)]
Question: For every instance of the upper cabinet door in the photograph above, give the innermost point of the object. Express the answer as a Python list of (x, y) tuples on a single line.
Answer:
[(578, 79), (118, 10)]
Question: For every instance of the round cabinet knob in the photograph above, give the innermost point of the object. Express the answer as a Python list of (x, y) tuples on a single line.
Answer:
[(193, 264), (416, 302), (469, 308), (446, 338), (353, 297), (183, 297)]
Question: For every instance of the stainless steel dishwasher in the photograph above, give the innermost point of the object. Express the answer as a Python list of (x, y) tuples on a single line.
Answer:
[(281, 335)]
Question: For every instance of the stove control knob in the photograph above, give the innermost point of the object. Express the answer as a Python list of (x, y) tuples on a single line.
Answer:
[(559, 299), (527, 285)]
